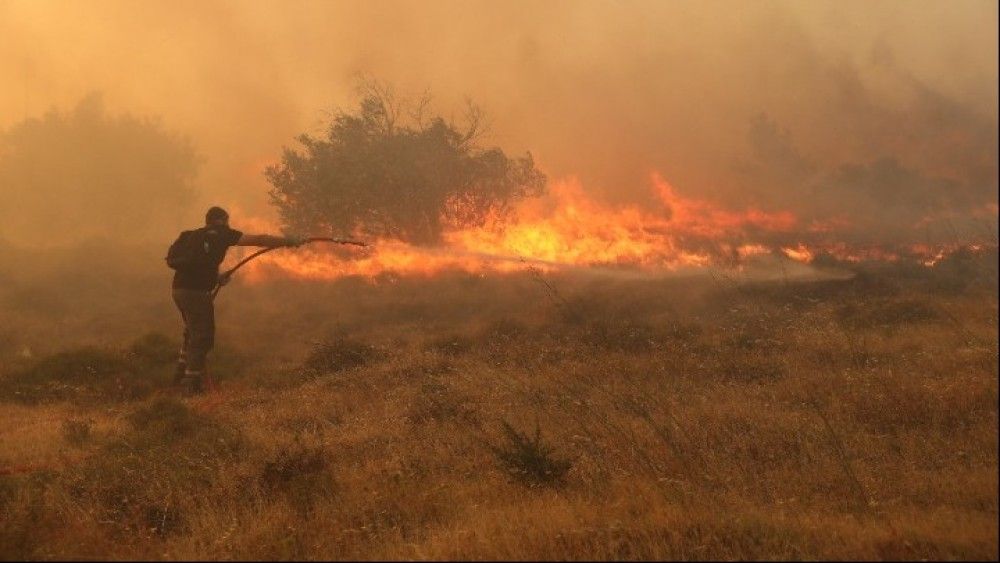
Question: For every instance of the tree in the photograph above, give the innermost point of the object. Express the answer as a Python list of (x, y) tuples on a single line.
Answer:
[(386, 170), (83, 174)]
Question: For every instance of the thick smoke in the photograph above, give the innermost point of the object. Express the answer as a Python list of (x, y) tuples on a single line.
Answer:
[(881, 113)]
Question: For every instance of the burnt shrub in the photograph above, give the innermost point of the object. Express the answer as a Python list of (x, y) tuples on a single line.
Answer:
[(529, 459)]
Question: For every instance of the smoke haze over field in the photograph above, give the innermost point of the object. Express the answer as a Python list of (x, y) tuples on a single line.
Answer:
[(882, 112)]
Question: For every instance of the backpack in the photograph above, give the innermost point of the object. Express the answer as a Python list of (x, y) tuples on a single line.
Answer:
[(189, 251)]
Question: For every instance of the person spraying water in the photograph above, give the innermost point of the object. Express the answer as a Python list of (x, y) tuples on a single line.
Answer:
[(195, 258)]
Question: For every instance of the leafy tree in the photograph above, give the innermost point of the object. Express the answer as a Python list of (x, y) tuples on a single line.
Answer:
[(84, 174), (387, 170)]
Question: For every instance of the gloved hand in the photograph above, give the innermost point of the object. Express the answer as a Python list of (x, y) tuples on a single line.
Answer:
[(294, 240)]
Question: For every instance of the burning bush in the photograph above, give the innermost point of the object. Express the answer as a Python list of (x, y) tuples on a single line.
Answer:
[(395, 178)]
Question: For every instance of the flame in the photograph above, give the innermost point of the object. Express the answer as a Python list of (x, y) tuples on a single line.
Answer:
[(569, 229), (800, 253)]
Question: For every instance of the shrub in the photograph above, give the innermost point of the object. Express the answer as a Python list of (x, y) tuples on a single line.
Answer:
[(340, 354), (151, 478), (86, 372), (290, 463), (90, 374), (299, 472), (76, 432), (166, 419), (154, 349), (529, 459)]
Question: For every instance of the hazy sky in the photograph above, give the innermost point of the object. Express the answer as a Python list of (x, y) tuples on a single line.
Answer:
[(606, 91)]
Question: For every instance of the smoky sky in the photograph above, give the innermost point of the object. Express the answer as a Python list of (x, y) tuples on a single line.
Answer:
[(879, 111)]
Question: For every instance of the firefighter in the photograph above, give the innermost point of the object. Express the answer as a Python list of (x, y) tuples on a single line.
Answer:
[(195, 256)]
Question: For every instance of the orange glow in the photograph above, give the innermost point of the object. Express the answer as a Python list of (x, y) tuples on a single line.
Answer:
[(569, 229), (800, 253)]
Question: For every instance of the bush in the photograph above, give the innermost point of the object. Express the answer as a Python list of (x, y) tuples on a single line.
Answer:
[(389, 176), (298, 471), (166, 419), (155, 474), (340, 354), (154, 349), (76, 432), (84, 373), (90, 374), (529, 459), (291, 463)]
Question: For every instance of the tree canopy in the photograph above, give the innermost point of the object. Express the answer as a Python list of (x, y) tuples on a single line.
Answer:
[(82, 174), (386, 169)]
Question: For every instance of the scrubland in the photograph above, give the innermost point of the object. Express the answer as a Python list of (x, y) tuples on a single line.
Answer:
[(501, 417)]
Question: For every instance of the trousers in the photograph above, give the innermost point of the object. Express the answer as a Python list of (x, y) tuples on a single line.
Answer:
[(198, 311)]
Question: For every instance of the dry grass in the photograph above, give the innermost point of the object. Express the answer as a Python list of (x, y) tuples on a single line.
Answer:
[(466, 418)]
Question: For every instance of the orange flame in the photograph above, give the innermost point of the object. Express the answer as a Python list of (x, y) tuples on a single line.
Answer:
[(569, 229)]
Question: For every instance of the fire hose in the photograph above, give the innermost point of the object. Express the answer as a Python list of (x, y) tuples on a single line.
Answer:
[(224, 277)]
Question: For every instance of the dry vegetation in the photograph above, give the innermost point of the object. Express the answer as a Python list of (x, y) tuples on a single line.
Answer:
[(467, 417)]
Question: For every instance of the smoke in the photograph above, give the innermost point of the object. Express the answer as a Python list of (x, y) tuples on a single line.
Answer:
[(84, 174), (883, 114)]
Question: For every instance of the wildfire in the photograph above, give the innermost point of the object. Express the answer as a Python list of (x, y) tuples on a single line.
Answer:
[(568, 229), (800, 253)]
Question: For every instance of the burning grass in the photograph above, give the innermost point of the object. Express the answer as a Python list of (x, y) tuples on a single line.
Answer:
[(677, 419)]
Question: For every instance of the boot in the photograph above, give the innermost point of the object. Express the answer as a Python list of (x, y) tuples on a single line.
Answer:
[(179, 372), (192, 383)]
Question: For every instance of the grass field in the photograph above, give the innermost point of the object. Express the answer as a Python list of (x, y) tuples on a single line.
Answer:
[(504, 417)]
